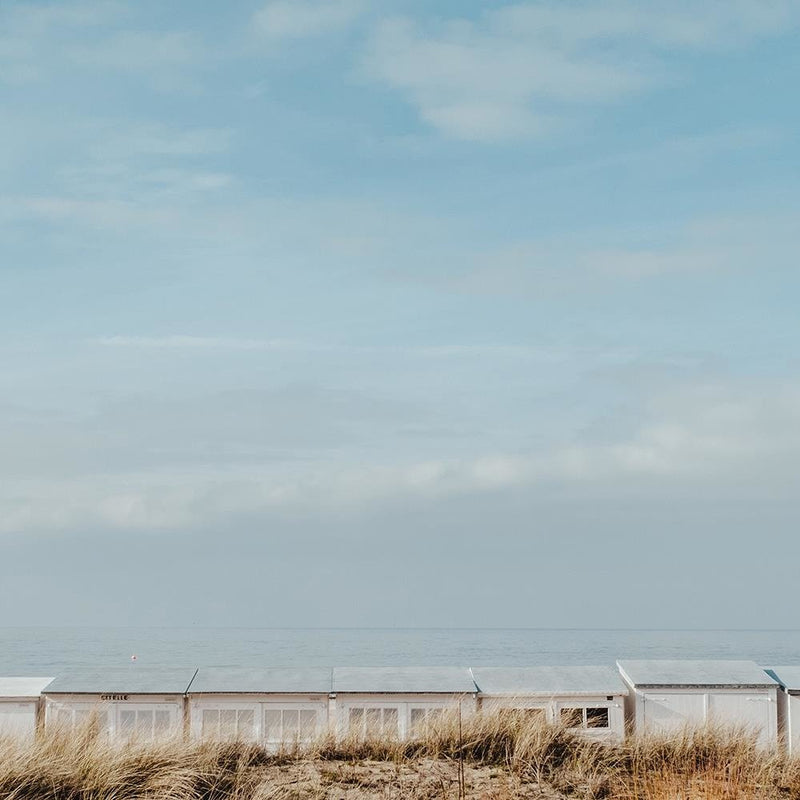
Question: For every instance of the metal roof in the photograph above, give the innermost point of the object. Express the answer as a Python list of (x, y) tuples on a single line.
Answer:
[(403, 680), (548, 681), (271, 680), (787, 676), (695, 673), (22, 687), (123, 680)]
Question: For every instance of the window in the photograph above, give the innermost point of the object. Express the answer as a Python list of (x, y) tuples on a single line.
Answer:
[(585, 717), (80, 719), (143, 723), (596, 717), (228, 724), (424, 720), (289, 725), (572, 717), (373, 721)]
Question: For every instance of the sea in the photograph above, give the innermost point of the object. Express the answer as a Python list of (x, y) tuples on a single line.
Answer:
[(50, 651)]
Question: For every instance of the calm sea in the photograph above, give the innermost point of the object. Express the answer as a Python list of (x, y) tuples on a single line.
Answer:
[(46, 651)]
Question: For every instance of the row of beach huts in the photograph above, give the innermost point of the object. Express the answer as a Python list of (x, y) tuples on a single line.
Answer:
[(280, 706)]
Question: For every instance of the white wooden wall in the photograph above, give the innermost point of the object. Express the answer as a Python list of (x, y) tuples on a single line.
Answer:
[(18, 718), (666, 711)]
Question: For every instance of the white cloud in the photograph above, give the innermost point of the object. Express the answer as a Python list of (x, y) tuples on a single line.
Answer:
[(519, 69), (298, 19), (699, 439)]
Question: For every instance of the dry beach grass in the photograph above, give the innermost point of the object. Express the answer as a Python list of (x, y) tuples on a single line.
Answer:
[(489, 756)]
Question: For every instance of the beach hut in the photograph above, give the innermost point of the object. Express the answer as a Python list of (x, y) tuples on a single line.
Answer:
[(667, 696), (589, 699), (143, 703), (20, 702), (273, 706), (789, 705), (398, 702)]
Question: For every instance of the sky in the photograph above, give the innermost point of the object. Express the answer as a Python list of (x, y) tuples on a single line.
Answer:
[(444, 313)]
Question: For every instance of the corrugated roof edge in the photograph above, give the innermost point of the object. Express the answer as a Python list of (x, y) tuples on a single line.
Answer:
[(772, 682)]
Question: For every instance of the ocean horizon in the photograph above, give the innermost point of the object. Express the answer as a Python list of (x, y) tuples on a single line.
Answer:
[(48, 650)]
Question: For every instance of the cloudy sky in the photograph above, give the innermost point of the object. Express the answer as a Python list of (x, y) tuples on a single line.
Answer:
[(327, 312)]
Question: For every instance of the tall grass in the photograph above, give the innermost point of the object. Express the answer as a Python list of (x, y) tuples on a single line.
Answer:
[(486, 755)]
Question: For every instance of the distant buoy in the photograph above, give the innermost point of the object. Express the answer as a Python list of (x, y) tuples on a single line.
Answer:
[(133, 657)]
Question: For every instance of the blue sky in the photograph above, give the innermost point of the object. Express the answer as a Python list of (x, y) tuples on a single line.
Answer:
[(466, 308)]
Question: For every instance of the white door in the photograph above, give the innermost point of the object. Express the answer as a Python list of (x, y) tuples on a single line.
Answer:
[(17, 719), (752, 711), (668, 713)]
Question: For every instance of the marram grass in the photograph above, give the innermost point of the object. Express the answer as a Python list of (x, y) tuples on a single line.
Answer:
[(488, 756)]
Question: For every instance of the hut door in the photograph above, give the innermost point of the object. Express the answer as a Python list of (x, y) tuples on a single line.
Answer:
[(670, 712)]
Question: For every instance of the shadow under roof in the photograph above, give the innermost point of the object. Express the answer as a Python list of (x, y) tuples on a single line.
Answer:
[(18, 687), (695, 673), (123, 680), (403, 680), (549, 681), (269, 680), (788, 676)]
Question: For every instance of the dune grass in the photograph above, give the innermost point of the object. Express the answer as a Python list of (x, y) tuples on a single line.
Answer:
[(490, 756)]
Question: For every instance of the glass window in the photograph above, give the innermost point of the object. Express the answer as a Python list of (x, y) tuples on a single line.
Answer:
[(162, 722), (245, 724), (144, 724), (390, 720), (572, 717), (596, 717), (272, 725), (210, 723), (127, 721), (308, 724)]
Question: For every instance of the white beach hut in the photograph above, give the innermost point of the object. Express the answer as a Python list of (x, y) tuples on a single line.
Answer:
[(398, 701), (20, 703), (590, 699), (789, 705), (669, 695), (144, 703), (272, 706)]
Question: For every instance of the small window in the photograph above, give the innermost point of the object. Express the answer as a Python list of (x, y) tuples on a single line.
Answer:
[(289, 725), (572, 717), (596, 717), (424, 720), (373, 721), (226, 724)]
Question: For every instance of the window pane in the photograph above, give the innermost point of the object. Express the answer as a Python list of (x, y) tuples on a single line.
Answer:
[(389, 722), (210, 728), (373, 716), (127, 721), (162, 722), (418, 721), (357, 721), (227, 723), (596, 717), (291, 725), (144, 724), (246, 724), (272, 725), (308, 724), (572, 717)]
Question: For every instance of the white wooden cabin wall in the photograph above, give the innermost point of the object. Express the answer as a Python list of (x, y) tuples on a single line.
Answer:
[(664, 711), (18, 718), (272, 720), (138, 718)]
